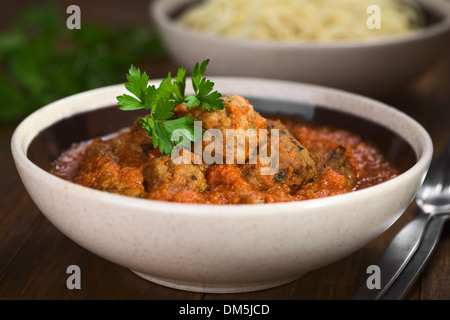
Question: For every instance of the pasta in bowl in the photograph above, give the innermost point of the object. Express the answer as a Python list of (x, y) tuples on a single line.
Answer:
[(303, 20), (373, 66)]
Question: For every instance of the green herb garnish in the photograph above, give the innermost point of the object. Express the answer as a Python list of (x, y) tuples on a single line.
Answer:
[(162, 100)]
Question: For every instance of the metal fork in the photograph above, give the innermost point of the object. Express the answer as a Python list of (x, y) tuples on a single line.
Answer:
[(410, 250)]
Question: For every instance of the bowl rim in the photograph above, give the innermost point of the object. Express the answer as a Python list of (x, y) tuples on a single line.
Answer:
[(162, 19), (22, 138)]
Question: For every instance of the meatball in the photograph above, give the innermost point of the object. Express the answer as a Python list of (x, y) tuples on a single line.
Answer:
[(237, 117), (163, 171), (295, 165), (138, 139), (100, 169)]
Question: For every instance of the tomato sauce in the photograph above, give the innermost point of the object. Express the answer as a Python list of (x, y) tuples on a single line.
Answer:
[(127, 164)]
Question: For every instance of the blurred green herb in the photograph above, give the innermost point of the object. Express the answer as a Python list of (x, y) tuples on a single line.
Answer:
[(162, 100), (42, 61)]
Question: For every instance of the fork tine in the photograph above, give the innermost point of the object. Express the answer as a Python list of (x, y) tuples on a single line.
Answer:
[(445, 162), (446, 179), (439, 174)]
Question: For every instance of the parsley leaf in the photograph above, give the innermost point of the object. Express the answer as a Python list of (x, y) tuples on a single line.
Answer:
[(212, 100), (184, 129), (162, 100), (163, 109), (180, 83), (197, 74), (129, 103), (137, 85), (162, 138), (202, 88)]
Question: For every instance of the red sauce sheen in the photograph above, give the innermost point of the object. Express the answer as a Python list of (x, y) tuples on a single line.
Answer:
[(315, 162)]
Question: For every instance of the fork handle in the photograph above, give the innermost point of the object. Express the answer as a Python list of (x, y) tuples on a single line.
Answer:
[(395, 257), (418, 261)]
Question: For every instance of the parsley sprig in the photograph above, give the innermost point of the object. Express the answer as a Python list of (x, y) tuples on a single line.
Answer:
[(162, 100)]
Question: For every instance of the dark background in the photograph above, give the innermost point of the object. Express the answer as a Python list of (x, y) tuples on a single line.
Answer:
[(109, 13)]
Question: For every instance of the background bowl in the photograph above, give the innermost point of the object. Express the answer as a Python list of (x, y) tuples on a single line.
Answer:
[(377, 68), (221, 248)]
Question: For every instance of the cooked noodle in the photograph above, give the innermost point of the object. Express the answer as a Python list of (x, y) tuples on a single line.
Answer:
[(301, 20)]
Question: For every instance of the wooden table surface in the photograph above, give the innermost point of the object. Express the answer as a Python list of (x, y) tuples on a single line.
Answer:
[(34, 255)]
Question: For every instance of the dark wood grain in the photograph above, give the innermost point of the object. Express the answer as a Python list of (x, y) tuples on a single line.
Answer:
[(34, 255)]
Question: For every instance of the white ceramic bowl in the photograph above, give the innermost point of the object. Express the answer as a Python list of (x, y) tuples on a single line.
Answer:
[(220, 248), (376, 68)]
